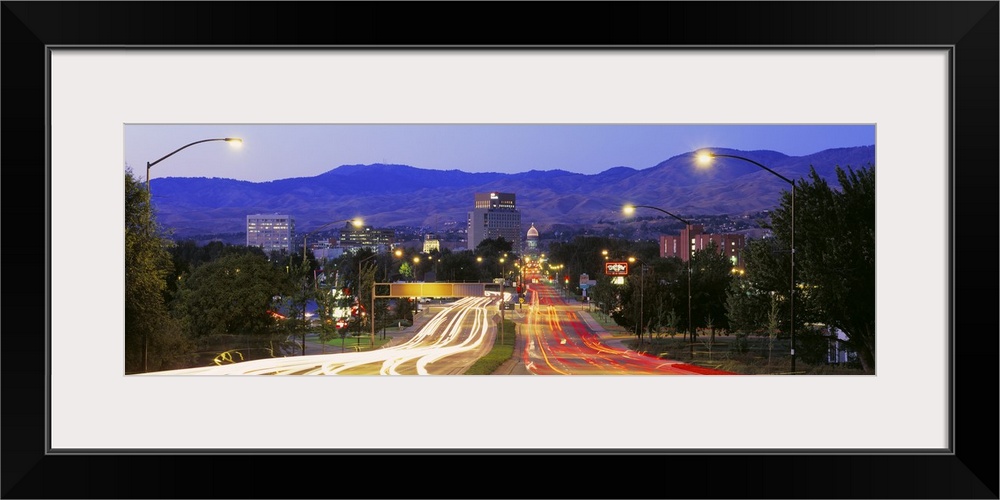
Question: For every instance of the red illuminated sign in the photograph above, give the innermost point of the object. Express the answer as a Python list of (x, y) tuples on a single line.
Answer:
[(616, 268)]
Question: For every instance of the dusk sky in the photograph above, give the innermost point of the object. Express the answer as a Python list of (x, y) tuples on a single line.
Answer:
[(280, 151)]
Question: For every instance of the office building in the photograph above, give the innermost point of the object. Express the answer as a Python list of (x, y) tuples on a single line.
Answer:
[(495, 216), (377, 240), (730, 245), (270, 232)]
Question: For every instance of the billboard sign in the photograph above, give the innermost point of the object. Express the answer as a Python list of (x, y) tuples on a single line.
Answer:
[(616, 268)]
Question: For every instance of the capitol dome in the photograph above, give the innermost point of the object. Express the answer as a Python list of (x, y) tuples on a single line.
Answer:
[(532, 239)]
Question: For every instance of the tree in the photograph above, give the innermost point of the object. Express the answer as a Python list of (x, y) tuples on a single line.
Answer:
[(299, 295), (365, 296), (382, 317), (232, 295), (745, 306), (604, 294), (152, 339), (671, 321), (710, 282), (493, 248), (459, 266), (835, 253), (625, 313), (406, 270), (187, 254), (772, 326), (328, 304), (766, 278), (404, 309)]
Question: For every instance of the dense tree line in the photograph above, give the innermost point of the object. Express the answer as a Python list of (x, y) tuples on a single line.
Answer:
[(834, 260), (151, 334)]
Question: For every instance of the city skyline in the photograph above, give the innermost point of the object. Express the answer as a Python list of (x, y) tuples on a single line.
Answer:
[(281, 151)]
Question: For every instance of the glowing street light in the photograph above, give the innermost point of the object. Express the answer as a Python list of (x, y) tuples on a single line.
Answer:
[(642, 293), (371, 313), (629, 209), (503, 303), (705, 158), (234, 141)]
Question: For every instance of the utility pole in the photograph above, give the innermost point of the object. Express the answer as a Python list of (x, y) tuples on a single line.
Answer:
[(503, 305)]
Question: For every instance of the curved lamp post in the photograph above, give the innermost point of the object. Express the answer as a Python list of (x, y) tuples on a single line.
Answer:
[(706, 157), (371, 313), (642, 292), (631, 209), (236, 141), (233, 140), (503, 303), (357, 222)]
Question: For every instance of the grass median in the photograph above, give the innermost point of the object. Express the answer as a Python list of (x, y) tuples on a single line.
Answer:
[(503, 350)]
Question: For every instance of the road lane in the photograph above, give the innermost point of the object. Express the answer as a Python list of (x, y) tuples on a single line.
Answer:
[(560, 342), (449, 343)]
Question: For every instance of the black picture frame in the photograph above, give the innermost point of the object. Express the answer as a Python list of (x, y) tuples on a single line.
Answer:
[(970, 28)]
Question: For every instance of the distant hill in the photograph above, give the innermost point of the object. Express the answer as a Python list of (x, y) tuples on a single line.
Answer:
[(403, 195)]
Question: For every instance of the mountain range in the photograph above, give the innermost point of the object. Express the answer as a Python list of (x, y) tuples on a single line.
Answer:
[(402, 195)]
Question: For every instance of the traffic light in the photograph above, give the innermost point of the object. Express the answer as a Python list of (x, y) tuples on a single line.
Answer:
[(519, 289)]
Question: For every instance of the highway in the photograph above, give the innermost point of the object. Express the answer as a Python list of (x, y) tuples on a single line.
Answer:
[(558, 341), (448, 344)]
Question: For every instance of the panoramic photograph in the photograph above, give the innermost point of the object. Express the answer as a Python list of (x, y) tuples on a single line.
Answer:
[(499, 249)]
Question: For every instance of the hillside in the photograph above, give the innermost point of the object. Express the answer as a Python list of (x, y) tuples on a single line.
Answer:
[(404, 195)]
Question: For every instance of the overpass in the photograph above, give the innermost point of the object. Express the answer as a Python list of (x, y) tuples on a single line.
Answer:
[(436, 289)]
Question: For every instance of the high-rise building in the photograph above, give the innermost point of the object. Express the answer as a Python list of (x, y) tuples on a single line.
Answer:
[(495, 216), (270, 232), (378, 240), (730, 245)]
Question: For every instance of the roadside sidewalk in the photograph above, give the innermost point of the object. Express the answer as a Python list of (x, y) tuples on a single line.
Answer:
[(606, 337)]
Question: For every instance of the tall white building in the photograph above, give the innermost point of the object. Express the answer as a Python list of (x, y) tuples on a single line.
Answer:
[(495, 216), (270, 232)]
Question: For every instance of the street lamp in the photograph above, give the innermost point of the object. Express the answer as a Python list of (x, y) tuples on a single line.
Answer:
[(705, 157), (503, 303), (232, 140), (371, 313), (305, 237), (631, 209), (235, 141), (642, 293), (434, 267)]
